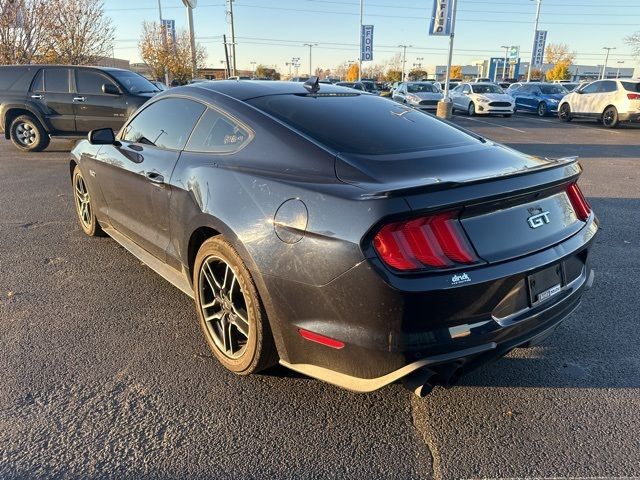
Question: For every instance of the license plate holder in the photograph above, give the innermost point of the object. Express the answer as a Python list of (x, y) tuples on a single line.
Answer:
[(545, 284)]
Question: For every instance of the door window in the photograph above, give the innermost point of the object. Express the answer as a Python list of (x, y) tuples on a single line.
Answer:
[(166, 123), (90, 83), (38, 82), (218, 133), (56, 80), (591, 88), (608, 86)]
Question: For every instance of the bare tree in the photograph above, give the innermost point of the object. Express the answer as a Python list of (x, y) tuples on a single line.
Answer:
[(81, 32), (633, 41), (559, 53), (175, 56), (25, 30)]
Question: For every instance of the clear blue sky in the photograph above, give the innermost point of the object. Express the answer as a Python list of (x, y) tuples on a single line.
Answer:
[(271, 32)]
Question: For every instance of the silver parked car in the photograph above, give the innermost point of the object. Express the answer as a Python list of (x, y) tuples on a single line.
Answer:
[(420, 95)]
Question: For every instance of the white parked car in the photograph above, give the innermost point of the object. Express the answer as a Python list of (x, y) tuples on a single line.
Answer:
[(482, 98), (419, 95), (608, 101)]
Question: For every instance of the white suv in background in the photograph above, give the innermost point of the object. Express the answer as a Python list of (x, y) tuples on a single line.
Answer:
[(608, 101)]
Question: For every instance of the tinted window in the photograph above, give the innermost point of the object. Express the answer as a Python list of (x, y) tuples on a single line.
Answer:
[(90, 82), (133, 82), (631, 86), (38, 82), (164, 124), (608, 86), (591, 88), (362, 124), (552, 89), (56, 80), (217, 133), (487, 89)]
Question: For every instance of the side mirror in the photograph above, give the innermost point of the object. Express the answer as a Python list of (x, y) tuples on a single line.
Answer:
[(101, 136), (580, 92), (110, 89)]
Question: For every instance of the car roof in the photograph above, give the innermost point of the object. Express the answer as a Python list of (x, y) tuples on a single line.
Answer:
[(246, 89)]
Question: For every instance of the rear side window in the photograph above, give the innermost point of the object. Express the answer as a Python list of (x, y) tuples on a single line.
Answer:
[(56, 80), (217, 133), (38, 82), (591, 88), (363, 124), (608, 86), (164, 124), (90, 82), (631, 86)]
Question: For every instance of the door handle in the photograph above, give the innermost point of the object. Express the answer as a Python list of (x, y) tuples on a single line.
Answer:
[(79, 99), (155, 177), (37, 96)]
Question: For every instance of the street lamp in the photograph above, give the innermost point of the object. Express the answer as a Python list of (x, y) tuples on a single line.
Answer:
[(620, 62), (310, 45), (404, 61), (506, 57), (606, 60), (254, 68), (535, 31), (478, 65)]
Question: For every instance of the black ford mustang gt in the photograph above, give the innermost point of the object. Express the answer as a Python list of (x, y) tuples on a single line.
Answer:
[(342, 235)]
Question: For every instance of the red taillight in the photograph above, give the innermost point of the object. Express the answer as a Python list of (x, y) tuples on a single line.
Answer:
[(436, 241), (580, 204), (633, 96), (321, 339)]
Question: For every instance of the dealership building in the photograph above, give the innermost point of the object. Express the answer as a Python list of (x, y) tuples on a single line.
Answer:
[(493, 68)]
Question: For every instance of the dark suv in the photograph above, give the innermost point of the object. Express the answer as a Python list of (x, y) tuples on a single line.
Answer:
[(42, 101)]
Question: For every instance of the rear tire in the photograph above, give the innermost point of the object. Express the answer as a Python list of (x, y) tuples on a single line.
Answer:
[(472, 109), (27, 134), (231, 314), (542, 109), (564, 113), (610, 117)]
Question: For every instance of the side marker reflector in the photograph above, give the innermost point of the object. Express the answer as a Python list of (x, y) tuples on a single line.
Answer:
[(321, 339)]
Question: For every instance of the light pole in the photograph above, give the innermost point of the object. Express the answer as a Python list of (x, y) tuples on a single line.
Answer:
[(506, 59), (445, 106), (620, 62), (535, 31), (606, 60), (164, 43), (404, 61), (191, 4), (310, 45), (360, 55), (478, 65), (253, 65), (222, 62)]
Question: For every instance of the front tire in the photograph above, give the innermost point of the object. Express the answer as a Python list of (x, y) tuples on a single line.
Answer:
[(471, 110), (84, 208), (27, 134), (610, 117), (542, 109), (231, 314), (564, 112)]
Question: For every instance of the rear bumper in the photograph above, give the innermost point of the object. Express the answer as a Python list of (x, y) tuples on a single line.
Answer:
[(629, 117), (394, 326)]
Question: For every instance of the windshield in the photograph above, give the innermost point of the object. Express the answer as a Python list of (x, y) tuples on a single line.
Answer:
[(133, 82), (552, 89), (486, 89), (369, 86), (361, 124), (421, 88)]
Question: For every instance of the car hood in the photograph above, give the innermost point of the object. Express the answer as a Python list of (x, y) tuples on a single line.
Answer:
[(428, 95), (437, 168), (495, 97)]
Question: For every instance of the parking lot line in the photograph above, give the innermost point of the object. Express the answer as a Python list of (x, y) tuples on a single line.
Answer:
[(494, 124), (546, 120)]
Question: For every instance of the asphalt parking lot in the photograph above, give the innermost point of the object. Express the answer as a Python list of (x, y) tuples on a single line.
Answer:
[(105, 372)]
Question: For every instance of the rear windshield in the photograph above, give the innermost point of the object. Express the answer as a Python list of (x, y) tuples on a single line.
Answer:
[(133, 82), (631, 86), (486, 89), (362, 124), (422, 88)]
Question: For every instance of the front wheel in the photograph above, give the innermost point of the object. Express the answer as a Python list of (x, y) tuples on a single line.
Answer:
[(610, 117), (564, 113), (472, 109), (27, 134), (231, 314), (542, 109), (84, 207)]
